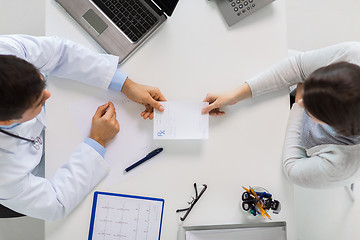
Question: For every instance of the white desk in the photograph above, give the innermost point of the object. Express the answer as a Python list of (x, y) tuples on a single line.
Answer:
[(186, 59)]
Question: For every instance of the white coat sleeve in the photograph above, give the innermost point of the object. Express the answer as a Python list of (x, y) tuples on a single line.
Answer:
[(296, 69), (52, 199), (62, 58), (324, 168)]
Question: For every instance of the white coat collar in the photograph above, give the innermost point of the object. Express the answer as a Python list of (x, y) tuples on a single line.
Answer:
[(29, 129)]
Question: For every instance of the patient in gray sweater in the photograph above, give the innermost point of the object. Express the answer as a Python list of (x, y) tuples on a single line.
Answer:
[(322, 142)]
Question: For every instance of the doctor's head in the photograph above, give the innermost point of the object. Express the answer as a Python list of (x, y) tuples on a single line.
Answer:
[(331, 94), (22, 90)]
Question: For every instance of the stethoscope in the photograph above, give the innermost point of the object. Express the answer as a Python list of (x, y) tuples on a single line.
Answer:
[(37, 142)]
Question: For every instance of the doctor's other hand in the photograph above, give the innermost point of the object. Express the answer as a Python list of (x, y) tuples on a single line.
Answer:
[(145, 95), (104, 125), (219, 100)]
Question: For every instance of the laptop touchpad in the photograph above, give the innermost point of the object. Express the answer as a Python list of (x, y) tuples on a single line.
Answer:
[(95, 21)]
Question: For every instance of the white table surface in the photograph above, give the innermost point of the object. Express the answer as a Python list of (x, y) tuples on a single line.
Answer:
[(193, 53)]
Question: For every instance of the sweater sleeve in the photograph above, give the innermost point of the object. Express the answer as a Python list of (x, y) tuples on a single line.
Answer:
[(296, 69), (323, 168)]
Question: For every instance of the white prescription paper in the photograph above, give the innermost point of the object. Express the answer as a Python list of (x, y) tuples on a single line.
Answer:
[(132, 143), (181, 120)]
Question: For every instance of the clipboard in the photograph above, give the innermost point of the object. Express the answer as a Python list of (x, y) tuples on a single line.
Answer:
[(125, 216), (265, 231)]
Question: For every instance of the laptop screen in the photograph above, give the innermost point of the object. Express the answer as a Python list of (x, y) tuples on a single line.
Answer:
[(167, 6)]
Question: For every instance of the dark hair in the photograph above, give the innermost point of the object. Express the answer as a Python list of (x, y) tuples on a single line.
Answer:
[(20, 86), (332, 95)]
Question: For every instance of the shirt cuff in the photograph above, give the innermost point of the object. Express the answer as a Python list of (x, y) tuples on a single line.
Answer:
[(96, 146), (118, 80)]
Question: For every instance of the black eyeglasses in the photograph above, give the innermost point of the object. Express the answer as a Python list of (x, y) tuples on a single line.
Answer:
[(192, 202)]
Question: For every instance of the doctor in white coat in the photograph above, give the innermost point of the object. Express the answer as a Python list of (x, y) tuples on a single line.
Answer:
[(23, 62)]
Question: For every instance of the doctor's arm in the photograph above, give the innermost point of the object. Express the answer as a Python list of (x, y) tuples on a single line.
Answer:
[(66, 59), (101, 70), (62, 58), (53, 199)]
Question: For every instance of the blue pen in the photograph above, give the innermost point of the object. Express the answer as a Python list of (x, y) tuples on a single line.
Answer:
[(147, 157)]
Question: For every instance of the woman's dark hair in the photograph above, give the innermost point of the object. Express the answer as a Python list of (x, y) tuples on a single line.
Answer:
[(332, 95), (20, 86)]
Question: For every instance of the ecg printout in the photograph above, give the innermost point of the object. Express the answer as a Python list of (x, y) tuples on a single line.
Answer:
[(121, 217)]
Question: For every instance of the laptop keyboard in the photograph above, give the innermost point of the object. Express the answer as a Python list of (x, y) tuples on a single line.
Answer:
[(131, 16)]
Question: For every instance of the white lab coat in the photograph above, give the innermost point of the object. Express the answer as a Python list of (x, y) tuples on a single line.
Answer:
[(20, 190)]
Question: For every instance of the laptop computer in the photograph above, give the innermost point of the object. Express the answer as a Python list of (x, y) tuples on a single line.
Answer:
[(235, 10), (264, 230), (119, 26)]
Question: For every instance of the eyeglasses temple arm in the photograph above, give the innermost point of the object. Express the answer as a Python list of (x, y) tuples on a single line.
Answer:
[(193, 204)]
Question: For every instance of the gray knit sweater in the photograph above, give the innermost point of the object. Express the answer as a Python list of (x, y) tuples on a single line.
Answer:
[(319, 165)]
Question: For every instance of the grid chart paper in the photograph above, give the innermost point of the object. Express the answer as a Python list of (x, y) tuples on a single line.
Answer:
[(125, 217)]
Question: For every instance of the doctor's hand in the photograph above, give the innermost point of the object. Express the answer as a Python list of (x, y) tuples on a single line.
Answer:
[(219, 100), (104, 125), (145, 95)]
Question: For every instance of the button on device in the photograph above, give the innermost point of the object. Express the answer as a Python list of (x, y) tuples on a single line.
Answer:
[(238, 7)]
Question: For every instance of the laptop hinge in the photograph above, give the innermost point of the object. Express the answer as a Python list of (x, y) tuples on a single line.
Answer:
[(154, 7)]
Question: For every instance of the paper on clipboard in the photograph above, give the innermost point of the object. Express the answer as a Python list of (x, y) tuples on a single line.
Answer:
[(181, 120), (119, 216)]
